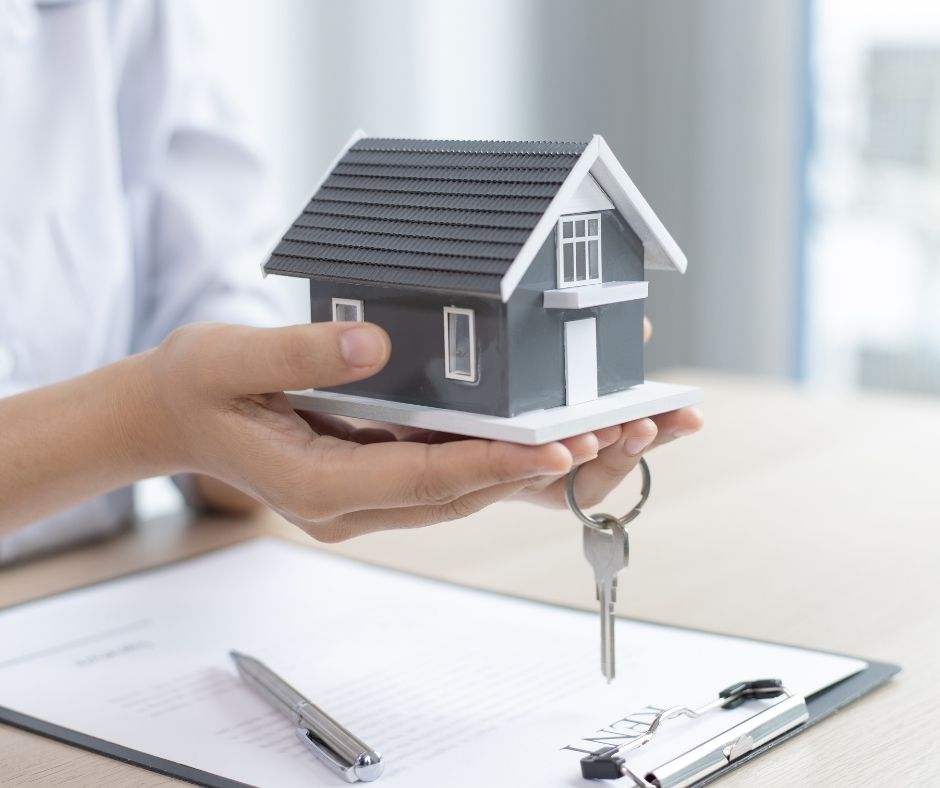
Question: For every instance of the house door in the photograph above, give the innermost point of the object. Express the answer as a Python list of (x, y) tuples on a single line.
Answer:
[(580, 361)]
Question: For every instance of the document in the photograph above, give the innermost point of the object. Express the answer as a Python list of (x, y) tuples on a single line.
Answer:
[(453, 686)]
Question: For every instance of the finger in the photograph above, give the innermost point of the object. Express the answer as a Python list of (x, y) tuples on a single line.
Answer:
[(608, 436), (363, 522), (678, 424), (583, 448), (243, 360), (401, 474), (596, 479), (582, 453), (647, 329)]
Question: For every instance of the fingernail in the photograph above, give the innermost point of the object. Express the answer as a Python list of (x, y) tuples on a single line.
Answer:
[(361, 347), (546, 467)]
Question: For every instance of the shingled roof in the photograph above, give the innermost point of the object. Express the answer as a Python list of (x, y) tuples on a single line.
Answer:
[(440, 214)]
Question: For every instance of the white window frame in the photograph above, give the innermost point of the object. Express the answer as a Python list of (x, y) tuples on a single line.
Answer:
[(353, 302), (472, 376), (561, 241)]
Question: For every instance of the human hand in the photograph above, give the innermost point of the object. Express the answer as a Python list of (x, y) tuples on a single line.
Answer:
[(218, 409)]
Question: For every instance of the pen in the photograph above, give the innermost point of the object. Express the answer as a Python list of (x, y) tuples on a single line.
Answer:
[(336, 747)]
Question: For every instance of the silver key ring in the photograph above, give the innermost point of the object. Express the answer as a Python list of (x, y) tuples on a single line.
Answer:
[(601, 521)]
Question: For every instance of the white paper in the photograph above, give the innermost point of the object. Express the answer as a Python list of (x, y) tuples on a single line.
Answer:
[(453, 686)]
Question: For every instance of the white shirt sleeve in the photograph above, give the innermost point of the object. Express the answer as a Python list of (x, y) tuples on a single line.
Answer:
[(201, 203)]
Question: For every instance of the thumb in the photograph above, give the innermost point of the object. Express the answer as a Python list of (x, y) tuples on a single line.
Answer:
[(264, 360)]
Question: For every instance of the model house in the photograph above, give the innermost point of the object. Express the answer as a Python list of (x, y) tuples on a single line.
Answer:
[(509, 275)]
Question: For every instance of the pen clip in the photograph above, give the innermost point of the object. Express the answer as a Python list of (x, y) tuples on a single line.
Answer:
[(330, 759), (368, 765)]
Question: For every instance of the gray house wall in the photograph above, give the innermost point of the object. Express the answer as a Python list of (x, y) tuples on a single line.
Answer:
[(415, 322), (520, 345), (536, 335)]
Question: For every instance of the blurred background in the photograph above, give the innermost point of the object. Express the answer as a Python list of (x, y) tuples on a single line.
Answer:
[(791, 148)]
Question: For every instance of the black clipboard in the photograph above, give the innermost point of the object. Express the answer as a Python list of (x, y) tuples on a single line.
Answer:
[(820, 705)]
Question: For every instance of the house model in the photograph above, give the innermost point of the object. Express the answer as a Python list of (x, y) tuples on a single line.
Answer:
[(510, 277)]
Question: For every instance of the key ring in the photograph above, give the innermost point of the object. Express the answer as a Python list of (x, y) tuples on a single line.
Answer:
[(601, 521)]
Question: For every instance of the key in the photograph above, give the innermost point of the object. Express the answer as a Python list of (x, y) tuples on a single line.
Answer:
[(608, 552)]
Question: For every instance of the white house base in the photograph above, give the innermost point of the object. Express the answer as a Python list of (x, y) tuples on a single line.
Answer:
[(533, 428)]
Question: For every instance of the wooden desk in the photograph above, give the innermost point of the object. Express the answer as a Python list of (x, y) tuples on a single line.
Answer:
[(793, 517)]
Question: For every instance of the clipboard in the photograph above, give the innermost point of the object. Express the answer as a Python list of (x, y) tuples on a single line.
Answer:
[(819, 705)]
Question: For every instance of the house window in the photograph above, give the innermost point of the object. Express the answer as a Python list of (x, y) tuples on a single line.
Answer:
[(579, 250), (347, 310), (460, 346)]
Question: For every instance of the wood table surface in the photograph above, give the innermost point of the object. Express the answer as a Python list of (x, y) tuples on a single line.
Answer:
[(797, 517)]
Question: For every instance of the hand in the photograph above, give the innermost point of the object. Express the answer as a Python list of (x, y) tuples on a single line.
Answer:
[(219, 409), (608, 455)]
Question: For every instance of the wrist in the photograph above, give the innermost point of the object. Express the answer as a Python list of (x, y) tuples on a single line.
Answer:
[(148, 437)]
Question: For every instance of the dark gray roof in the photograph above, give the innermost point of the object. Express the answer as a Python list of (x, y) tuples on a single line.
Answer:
[(439, 214)]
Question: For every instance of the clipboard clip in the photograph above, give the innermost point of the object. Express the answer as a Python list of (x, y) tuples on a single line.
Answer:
[(714, 754)]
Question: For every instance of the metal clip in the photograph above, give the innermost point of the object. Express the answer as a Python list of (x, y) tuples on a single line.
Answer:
[(712, 755)]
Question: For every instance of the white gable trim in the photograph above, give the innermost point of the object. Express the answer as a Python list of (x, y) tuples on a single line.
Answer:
[(660, 251), (357, 135), (589, 198)]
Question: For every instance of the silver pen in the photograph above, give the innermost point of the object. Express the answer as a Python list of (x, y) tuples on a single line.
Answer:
[(341, 751)]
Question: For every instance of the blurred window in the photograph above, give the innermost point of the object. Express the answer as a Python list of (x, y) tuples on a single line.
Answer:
[(873, 251)]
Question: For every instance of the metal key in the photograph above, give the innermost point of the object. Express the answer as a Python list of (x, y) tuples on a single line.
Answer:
[(607, 549), (608, 552)]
